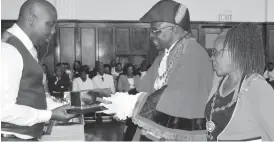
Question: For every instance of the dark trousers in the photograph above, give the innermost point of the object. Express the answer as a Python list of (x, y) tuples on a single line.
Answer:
[(131, 129)]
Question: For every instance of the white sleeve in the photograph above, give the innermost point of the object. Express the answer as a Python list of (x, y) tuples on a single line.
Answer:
[(261, 97), (112, 87), (52, 105), (11, 72)]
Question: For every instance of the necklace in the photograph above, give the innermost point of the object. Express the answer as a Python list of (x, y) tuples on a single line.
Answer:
[(210, 125), (161, 80), (243, 87)]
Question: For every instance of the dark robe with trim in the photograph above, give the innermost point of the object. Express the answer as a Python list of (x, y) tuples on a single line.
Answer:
[(176, 111)]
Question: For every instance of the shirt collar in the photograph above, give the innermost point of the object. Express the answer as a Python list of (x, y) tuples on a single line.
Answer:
[(101, 75), (171, 47), (21, 35)]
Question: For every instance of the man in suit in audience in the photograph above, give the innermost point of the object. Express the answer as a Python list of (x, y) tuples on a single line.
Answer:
[(112, 65), (24, 105), (59, 83)]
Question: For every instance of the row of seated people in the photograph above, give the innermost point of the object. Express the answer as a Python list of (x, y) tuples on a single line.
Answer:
[(102, 76)]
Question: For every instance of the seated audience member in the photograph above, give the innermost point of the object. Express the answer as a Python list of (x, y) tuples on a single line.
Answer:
[(107, 69), (118, 69), (82, 82), (45, 78), (93, 72), (63, 66), (66, 66), (86, 68), (143, 68), (128, 79), (59, 65), (58, 84), (103, 80), (76, 67), (112, 65), (116, 72), (269, 74), (67, 70), (127, 82), (63, 70)]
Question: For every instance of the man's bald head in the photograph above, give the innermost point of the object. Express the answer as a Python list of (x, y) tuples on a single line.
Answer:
[(38, 18), (37, 8)]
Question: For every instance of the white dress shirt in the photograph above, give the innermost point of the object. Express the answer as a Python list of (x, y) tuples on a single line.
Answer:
[(79, 84), (143, 73), (104, 81), (11, 72), (131, 83), (114, 73)]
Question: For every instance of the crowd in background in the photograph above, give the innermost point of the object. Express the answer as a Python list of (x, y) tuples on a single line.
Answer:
[(114, 76)]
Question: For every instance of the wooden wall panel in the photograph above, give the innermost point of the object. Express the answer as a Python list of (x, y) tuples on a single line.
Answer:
[(88, 41), (122, 36), (67, 45), (140, 43), (88, 46), (105, 47)]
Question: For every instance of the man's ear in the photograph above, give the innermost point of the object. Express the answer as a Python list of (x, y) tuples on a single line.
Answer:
[(32, 19)]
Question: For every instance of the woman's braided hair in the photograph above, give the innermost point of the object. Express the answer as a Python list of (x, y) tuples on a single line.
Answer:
[(246, 46)]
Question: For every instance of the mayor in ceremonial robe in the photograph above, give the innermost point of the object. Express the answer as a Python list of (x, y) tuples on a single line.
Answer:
[(178, 83)]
